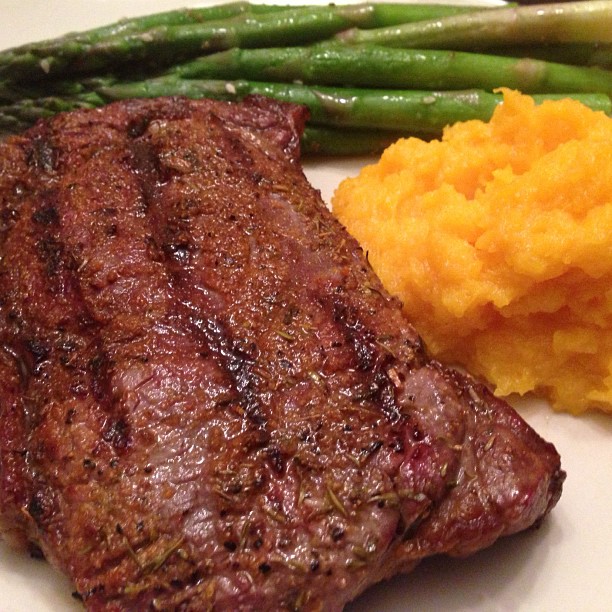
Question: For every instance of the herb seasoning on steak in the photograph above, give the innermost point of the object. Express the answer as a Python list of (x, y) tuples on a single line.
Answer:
[(209, 402)]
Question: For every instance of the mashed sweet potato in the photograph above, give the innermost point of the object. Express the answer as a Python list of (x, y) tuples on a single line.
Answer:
[(498, 239)]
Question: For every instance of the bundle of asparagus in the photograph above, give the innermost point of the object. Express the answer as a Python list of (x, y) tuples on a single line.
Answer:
[(368, 72)]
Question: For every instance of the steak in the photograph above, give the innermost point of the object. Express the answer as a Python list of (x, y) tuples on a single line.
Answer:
[(209, 402)]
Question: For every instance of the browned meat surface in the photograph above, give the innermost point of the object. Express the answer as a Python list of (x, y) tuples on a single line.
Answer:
[(208, 400)]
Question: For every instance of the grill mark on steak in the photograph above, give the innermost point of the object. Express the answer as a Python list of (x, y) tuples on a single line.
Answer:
[(232, 412), (170, 229), (236, 362), (41, 155), (28, 344), (369, 358)]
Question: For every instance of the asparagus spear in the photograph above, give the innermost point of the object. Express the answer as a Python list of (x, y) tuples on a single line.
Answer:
[(174, 36), (423, 112), (14, 92), (11, 125), (141, 24), (316, 140), (579, 54), (174, 17), (374, 117), (582, 21), (336, 142), (374, 66), (395, 13), (22, 114), (165, 44), (384, 14)]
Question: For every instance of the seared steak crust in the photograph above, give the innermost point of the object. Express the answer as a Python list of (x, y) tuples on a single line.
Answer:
[(208, 399)]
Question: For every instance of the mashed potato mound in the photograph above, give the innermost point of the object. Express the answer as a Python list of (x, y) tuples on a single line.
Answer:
[(498, 239)]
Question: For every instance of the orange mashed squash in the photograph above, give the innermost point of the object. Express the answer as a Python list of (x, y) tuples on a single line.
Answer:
[(498, 240)]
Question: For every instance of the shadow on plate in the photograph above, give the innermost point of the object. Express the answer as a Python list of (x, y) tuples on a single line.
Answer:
[(502, 577)]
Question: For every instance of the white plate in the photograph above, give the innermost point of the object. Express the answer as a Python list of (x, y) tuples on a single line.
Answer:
[(565, 566)]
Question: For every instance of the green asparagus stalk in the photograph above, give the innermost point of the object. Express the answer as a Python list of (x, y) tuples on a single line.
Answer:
[(423, 112), (374, 66), (177, 17), (395, 13), (14, 92), (578, 54), (343, 120), (338, 142), (316, 140), (384, 14), (175, 37), (164, 45), (11, 125), (582, 21), (134, 25), (22, 114)]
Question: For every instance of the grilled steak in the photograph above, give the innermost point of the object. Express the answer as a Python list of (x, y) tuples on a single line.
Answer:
[(208, 399)]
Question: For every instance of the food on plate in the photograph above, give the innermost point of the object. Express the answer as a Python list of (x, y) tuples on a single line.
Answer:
[(361, 97), (375, 66), (513, 26), (496, 238), (388, 113), (209, 401), (163, 39)]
